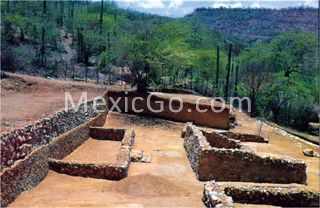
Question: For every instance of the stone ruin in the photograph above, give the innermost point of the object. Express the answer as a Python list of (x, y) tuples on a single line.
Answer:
[(220, 157), (225, 195), (28, 154), (215, 156), (115, 171)]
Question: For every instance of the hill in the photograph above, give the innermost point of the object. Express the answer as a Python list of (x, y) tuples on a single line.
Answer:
[(257, 25)]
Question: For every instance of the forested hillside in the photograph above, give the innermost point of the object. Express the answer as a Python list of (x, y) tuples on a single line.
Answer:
[(253, 25), (95, 40)]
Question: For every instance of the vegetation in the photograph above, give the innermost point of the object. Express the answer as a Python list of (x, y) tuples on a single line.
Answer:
[(279, 75), (257, 25)]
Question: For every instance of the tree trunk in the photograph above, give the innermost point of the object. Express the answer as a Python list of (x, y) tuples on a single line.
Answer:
[(108, 47), (61, 13), (253, 112), (236, 80), (21, 34), (42, 49), (78, 46), (206, 89), (191, 73), (115, 24), (226, 92), (71, 16), (232, 71), (86, 75), (73, 73), (97, 75), (66, 71), (217, 71), (34, 34), (44, 8), (8, 7), (101, 17)]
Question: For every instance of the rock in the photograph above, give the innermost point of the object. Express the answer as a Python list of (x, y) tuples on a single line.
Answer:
[(136, 155), (214, 199), (308, 152), (314, 126), (6, 123), (146, 158)]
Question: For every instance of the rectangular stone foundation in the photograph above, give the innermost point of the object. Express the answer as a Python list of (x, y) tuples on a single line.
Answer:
[(215, 195), (112, 171), (231, 162), (31, 170)]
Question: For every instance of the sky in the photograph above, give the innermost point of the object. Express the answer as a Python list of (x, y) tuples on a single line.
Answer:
[(179, 8)]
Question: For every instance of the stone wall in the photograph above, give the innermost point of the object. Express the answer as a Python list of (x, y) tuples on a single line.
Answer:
[(223, 195), (107, 133), (91, 170), (274, 195), (26, 173), (116, 171), (246, 137), (187, 114), (220, 140), (17, 144), (214, 196), (221, 164)]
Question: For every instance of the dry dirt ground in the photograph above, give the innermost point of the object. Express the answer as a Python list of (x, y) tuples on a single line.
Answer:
[(25, 99), (105, 151), (168, 181)]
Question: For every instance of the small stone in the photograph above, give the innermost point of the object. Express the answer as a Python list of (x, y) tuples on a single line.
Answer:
[(146, 158), (308, 152), (6, 123), (214, 199), (136, 155)]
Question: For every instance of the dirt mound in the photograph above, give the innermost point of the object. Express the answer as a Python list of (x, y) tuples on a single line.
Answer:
[(16, 84), (146, 185), (29, 84), (25, 99)]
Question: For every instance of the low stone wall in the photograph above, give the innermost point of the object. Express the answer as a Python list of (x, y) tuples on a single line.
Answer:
[(221, 164), (17, 144), (188, 113), (246, 137), (107, 133), (29, 171), (116, 171), (66, 143), (103, 171), (221, 141), (274, 195), (24, 174), (128, 139), (215, 195)]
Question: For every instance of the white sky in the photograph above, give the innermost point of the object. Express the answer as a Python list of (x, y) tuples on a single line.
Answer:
[(179, 8)]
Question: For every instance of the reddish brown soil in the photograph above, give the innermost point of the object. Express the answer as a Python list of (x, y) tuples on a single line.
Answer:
[(280, 146), (25, 99), (168, 181), (96, 151)]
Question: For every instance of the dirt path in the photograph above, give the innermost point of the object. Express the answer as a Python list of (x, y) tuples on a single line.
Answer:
[(25, 99)]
